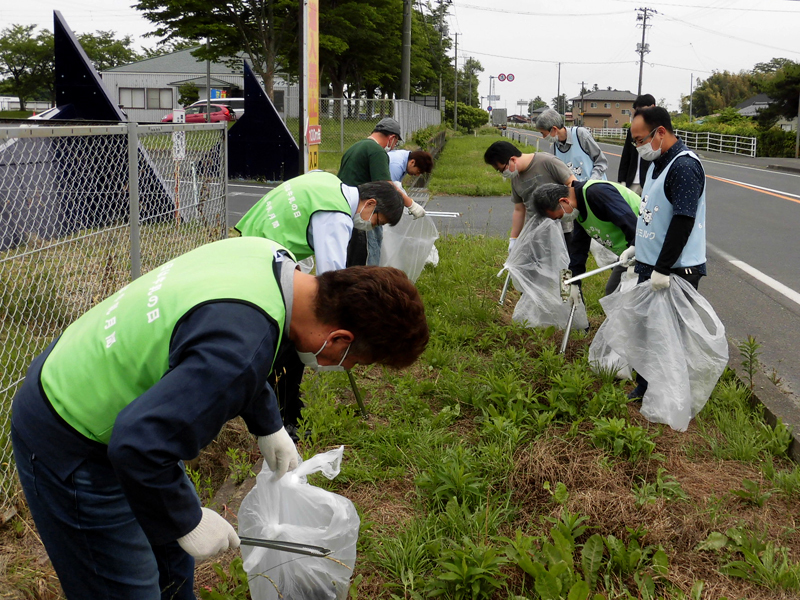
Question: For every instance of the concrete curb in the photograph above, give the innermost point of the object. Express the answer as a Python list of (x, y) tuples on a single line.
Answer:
[(776, 404), (784, 168)]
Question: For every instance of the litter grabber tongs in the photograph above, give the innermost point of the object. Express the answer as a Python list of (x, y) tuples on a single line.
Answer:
[(292, 547), (566, 280)]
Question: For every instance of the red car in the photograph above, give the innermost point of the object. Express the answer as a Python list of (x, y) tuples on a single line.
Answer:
[(197, 114)]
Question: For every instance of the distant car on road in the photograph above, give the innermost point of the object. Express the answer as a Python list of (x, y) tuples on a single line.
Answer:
[(196, 113)]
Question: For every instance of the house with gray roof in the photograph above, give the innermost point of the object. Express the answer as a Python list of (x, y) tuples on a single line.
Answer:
[(604, 108), (751, 106), (147, 90)]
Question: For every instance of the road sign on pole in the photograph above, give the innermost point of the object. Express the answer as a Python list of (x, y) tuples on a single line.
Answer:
[(501, 77), (510, 77), (489, 108)]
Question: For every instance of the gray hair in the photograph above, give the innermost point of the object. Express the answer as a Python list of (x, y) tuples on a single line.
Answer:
[(547, 195), (549, 119)]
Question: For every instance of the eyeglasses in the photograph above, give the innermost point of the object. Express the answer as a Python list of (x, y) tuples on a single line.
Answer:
[(637, 143), (502, 169)]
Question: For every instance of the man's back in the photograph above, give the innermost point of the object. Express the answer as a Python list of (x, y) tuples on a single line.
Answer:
[(363, 162), (544, 168)]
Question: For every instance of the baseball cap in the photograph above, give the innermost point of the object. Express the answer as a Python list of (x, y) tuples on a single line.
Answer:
[(388, 126)]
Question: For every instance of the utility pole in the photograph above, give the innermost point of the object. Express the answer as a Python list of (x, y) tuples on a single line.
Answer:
[(468, 69), (691, 93), (643, 48), (558, 94), (797, 136), (573, 108), (405, 75), (455, 85)]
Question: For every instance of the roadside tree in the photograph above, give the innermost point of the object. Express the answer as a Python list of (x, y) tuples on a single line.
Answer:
[(26, 62)]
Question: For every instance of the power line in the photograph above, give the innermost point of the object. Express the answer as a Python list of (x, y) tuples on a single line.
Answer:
[(551, 62), (540, 14), (762, 10), (726, 35)]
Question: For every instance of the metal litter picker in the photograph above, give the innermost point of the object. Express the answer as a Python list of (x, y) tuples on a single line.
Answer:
[(566, 280)]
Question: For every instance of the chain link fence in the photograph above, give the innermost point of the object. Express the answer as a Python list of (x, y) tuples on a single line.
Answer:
[(345, 121), (83, 211)]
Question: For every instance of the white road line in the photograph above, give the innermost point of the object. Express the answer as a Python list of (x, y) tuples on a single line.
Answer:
[(762, 277), (753, 185)]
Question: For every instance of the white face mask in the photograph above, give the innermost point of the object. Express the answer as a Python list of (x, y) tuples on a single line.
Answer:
[(508, 173), (568, 217), (647, 152), (361, 224), (309, 359)]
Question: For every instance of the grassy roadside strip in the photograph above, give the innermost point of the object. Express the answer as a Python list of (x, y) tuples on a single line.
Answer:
[(460, 169), (496, 468)]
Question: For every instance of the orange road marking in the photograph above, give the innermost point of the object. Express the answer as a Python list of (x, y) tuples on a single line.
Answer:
[(748, 187)]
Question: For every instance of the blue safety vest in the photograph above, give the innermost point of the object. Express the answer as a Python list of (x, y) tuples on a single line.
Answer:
[(578, 161), (655, 216)]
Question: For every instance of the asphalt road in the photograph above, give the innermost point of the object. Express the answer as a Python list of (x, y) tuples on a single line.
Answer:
[(753, 235)]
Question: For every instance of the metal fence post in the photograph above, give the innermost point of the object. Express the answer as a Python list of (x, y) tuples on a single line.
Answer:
[(341, 125), (224, 232), (133, 196)]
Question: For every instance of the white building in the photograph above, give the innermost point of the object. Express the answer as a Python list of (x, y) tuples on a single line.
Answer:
[(12, 103), (148, 90)]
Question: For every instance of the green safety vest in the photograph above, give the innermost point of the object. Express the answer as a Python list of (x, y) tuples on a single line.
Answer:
[(120, 348), (284, 215), (608, 234)]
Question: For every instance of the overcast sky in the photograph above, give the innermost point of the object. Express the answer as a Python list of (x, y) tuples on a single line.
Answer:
[(595, 40)]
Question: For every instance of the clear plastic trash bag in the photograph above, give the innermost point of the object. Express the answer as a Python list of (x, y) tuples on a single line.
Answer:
[(675, 340), (602, 255), (535, 263), (292, 510), (306, 265), (602, 356), (408, 244)]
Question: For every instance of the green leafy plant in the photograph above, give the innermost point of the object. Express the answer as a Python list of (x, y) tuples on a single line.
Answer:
[(455, 476), (231, 586), (203, 485), (761, 562), (622, 439), (560, 494), (664, 486), (469, 571), (239, 464), (751, 492), (750, 351)]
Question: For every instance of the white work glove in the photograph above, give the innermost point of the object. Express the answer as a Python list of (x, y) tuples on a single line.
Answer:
[(416, 210), (511, 242), (211, 536), (279, 452), (628, 256), (575, 294), (659, 281)]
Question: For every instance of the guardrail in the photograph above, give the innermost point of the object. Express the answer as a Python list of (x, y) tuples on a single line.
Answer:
[(718, 142), (697, 140), (613, 133)]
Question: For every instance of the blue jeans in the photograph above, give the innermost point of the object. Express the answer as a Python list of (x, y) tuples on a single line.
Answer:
[(374, 241), (94, 541)]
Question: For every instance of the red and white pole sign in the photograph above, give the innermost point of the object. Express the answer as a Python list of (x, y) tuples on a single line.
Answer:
[(501, 77), (510, 77)]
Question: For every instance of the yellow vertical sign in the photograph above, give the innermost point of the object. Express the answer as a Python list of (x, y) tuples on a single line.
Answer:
[(313, 129)]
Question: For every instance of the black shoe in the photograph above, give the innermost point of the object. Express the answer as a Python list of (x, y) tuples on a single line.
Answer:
[(638, 393), (292, 431)]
